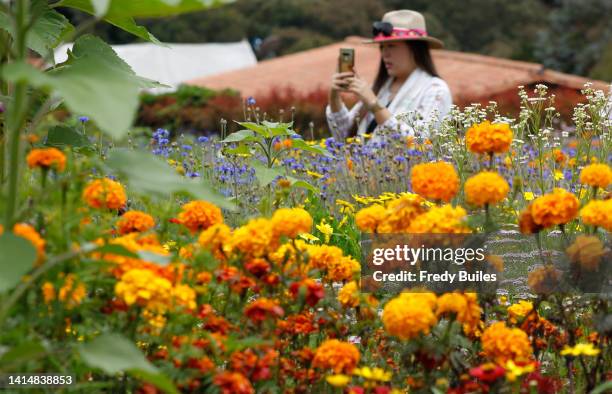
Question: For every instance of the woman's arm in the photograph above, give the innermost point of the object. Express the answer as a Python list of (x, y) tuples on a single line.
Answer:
[(339, 118)]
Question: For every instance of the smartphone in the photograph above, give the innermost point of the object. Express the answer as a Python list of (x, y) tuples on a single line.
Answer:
[(346, 61)]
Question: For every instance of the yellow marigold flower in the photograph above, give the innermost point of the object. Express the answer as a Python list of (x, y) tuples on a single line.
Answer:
[(526, 223), (520, 309), (216, 240), (290, 222), (464, 306), (500, 343), (70, 294), (348, 296), (410, 314), (486, 187), (145, 288), (338, 380), (47, 158), (435, 181), (254, 238), (48, 292), (558, 207), (596, 175), (336, 355), (598, 213), (580, 349), (401, 212), (368, 219), (440, 220), (587, 251), (135, 221), (376, 374), (28, 232), (199, 215), (104, 193), (185, 296), (487, 137)]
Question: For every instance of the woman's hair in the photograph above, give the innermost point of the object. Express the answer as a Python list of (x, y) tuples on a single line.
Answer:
[(422, 58)]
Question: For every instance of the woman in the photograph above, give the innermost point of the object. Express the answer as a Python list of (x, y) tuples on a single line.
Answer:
[(407, 95)]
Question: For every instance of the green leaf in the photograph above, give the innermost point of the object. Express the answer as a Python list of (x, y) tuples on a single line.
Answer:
[(47, 31), (304, 185), (22, 353), (259, 129), (234, 344), (93, 85), (242, 135), (122, 13), (266, 175), (278, 129), (113, 353), (147, 174), (603, 388), (241, 149), (17, 258), (301, 144), (66, 136), (116, 249), (154, 257), (100, 7)]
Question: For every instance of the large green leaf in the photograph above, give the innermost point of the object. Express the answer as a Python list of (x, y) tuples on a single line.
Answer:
[(266, 175), (147, 174), (259, 129), (93, 85), (113, 353), (63, 135), (21, 353), (121, 13), (242, 135), (46, 32), (301, 144), (16, 259)]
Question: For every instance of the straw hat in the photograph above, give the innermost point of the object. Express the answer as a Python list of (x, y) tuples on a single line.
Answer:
[(402, 25)]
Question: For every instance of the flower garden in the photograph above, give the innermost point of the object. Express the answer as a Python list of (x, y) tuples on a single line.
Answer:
[(150, 261)]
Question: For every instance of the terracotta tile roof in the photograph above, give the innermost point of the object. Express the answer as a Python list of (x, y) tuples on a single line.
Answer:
[(470, 76)]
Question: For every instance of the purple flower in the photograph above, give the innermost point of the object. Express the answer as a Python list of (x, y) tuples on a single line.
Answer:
[(83, 119), (202, 139), (250, 100), (186, 147)]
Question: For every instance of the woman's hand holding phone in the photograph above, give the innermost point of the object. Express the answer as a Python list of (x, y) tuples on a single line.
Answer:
[(340, 81)]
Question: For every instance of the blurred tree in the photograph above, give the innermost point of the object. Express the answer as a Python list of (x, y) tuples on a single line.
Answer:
[(577, 36)]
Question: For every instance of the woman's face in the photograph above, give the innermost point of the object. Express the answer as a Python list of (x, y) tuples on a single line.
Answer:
[(397, 58)]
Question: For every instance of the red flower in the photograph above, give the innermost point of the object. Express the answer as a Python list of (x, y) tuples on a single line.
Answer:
[(488, 372), (314, 290), (263, 308)]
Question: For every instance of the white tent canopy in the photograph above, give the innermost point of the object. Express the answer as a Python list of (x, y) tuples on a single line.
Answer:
[(177, 63)]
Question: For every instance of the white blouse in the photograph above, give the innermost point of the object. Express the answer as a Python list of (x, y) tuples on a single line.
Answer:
[(421, 99)]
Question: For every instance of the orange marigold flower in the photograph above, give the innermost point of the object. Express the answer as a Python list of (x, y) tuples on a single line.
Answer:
[(587, 251), (435, 181), (28, 232), (216, 239), (336, 355), (263, 308), (559, 156), (290, 222), (343, 269), (401, 212), (253, 239), (184, 296), (598, 213), (544, 280), (348, 296), (199, 215), (104, 193), (526, 223), (48, 292), (233, 383), (486, 187), (558, 207), (47, 158), (145, 288), (410, 314), (596, 175), (368, 219), (465, 307), (440, 220), (135, 221), (501, 343), (487, 137), (70, 294)]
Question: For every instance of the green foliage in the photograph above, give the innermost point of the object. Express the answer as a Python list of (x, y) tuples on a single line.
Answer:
[(147, 174), (113, 353), (17, 258)]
